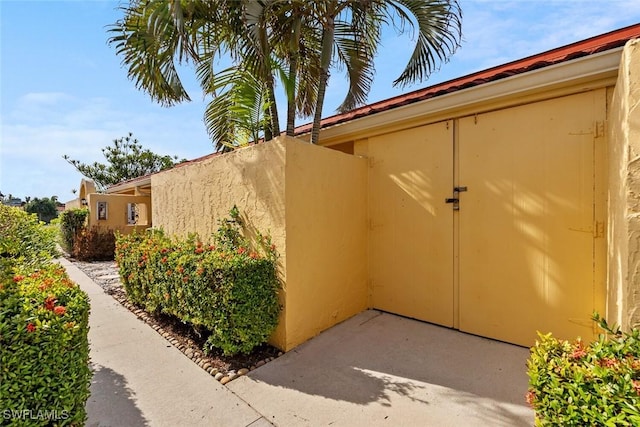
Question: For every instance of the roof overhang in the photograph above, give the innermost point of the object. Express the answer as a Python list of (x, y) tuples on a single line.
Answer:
[(143, 182), (581, 74)]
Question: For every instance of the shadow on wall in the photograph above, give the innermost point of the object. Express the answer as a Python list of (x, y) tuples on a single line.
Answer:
[(111, 402)]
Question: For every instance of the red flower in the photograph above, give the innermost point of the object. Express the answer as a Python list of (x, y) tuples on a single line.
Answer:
[(254, 255), (179, 269), (163, 260), (636, 386), (164, 250), (59, 310), (578, 351), (199, 250), (241, 250), (608, 362), (212, 248), (199, 271), (46, 284), (31, 327), (272, 247), (50, 302), (18, 278), (530, 397)]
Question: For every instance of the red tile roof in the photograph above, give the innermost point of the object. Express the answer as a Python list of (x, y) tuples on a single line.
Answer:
[(579, 49)]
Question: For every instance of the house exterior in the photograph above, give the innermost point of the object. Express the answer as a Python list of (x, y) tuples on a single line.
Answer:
[(501, 203), (123, 212)]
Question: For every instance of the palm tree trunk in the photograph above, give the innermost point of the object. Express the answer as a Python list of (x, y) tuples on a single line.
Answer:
[(273, 107), (327, 52), (293, 74), (268, 78)]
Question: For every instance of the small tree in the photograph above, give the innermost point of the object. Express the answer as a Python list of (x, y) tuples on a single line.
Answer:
[(45, 209), (126, 159)]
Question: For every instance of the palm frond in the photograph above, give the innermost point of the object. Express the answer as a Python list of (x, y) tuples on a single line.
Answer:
[(439, 25)]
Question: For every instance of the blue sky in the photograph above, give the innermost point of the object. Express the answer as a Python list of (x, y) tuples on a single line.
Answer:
[(63, 90)]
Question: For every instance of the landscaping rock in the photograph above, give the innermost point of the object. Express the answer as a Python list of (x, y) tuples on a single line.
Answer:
[(243, 371), (225, 380), (218, 376)]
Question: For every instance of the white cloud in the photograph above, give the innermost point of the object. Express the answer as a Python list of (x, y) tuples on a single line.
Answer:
[(45, 126)]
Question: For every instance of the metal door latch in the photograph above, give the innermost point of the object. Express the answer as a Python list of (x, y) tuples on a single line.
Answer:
[(455, 199)]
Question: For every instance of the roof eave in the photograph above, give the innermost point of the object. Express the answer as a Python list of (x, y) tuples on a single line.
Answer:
[(596, 68)]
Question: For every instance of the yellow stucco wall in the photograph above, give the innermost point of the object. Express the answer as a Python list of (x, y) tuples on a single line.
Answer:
[(73, 204), (192, 198), (624, 192), (326, 231), (117, 212), (311, 200)]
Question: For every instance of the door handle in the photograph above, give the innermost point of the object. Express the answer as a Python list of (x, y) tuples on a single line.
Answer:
[(453, 200)]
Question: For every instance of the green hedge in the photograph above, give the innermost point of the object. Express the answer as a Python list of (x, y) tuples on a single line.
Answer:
[(579, 384), (44, 350), (72, 222), (225, 287), (23, 239)]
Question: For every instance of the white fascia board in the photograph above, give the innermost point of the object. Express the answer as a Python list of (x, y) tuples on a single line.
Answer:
[(585, 69)]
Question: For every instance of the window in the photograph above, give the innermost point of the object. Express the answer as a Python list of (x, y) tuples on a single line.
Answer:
[(101, 209), (132, 213)]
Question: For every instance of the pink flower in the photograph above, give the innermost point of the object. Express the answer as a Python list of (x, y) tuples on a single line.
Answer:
[(31, 327)]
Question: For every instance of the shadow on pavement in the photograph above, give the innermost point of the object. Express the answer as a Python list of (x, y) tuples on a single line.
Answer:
[(390, 361), (111, 400)]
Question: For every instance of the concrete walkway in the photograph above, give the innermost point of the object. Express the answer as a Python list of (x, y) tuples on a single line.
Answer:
[(375, 369), (142, 380)]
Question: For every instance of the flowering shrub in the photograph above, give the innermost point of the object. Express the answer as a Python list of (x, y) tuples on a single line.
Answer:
[(44, 351), (577, 384), (225, 286)]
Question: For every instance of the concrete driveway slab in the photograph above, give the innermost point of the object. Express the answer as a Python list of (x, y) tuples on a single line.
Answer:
[(381, 369)]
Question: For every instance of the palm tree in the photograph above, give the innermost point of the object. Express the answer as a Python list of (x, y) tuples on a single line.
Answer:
[(156, 35), (298, 40), (353, 25)]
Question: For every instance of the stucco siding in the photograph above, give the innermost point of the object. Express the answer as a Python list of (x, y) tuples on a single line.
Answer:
[(326, 231), (116, 212), (193, 198), (624, 192)]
